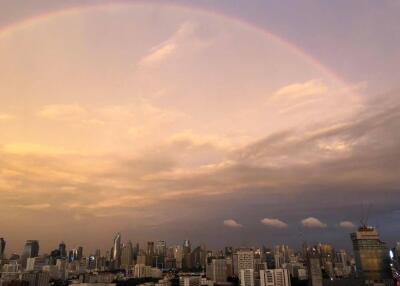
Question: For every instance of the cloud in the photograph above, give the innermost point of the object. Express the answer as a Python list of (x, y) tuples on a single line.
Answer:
[(232, 223), (312, 222), (147, 184), (62, 111), (346, 224), (168, 48), (23, 148), (6, 117), (191, 139), (158, 54), (301, 90), (34, 206), (274, 222)]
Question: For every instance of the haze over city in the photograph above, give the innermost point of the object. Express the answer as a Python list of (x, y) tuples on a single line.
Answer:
[(223, 122)]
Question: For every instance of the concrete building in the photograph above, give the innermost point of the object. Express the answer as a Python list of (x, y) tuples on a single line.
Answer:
[(127, 255), (246, 277), (36, 263), (217, 270), (314, 268), (189, 281), (244, 260), (36, 278), (371, 256), (274, 277)]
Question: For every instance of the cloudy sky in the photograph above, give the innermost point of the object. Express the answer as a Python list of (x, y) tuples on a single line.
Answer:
[(225, 122)]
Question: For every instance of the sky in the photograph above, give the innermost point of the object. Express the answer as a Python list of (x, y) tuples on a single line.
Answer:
[(223, 122)]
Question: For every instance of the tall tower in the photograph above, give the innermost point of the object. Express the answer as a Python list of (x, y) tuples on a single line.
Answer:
[(2, 247), (116, 251), (150, 253), (314, 268), (187, 249), (160, 251), (80, 253), (371, 255), (127, 255), (62, 249)]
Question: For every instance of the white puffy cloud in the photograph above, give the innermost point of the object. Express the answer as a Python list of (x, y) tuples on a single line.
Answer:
[(274, 222), (232, 223), (312, 222), (346, 224)]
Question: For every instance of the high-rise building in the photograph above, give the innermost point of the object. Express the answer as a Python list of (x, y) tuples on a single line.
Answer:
[(245, 260), (161, 247), (62, 248), (116, 251), (247, 277), (187, 247), (217, 270), (136, 250), (79, 253), (160, 253), (36, 279), (178, 255), (371, 255), (199, 257), (31, 248), (274, 277), (269, 258), (314, 268), (186, 260), (127, 255), (150, 253), (2, 247), (36, 263)]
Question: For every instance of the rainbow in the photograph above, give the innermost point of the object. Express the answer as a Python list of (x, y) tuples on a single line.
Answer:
[(14, 27)]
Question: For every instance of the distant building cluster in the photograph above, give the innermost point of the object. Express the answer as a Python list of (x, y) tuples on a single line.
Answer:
[(157, 264)]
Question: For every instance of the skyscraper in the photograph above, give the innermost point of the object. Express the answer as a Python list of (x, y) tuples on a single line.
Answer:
[(314, 268), (2, 247), (116, 251), (31, 248), (160, 252), (187, 249), (245, 260), (217, 270), (127, 255), (199, 257), (161, 247), (80, 253), (371, 255), (63, 249), (150, 253)]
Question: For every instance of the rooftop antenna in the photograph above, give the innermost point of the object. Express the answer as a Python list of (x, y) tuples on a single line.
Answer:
[(365, 215)]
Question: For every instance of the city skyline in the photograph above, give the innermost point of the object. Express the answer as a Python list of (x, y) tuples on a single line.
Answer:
[(120, 240), (371, 263), (216, 121)]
